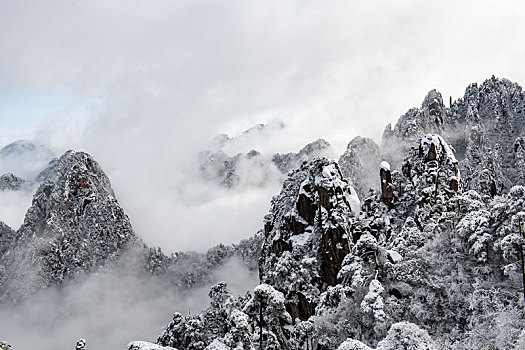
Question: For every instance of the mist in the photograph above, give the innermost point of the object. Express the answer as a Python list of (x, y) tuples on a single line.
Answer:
[(14, 205), (145, 88), (109, 309)]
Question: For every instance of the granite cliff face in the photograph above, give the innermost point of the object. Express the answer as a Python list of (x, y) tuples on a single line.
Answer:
[(307, 234), (359, 164)]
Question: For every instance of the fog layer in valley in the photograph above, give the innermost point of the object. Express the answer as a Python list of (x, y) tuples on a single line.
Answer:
[(109, 309)]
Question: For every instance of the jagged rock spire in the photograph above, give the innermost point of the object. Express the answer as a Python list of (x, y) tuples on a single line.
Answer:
[(482, 127), (387, 191), (308, 232)]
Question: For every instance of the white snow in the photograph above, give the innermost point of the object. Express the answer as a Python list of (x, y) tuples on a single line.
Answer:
[(440, 144), (385, 166), (329, 171), (352, 344), (395, 256), (355, 202), (302, 239), (217, 345), (143, 345)]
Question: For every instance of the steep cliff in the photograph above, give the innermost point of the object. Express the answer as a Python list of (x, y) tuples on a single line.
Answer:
[(307, 234)]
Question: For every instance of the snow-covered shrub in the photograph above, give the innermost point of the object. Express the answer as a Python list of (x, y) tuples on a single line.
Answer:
[(352, 344), (267, 309), (5, 345), (406, 336), (474, 227), (372, 307)]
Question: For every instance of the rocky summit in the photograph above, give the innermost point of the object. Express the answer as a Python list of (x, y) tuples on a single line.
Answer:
[(11, 182), (74, 225)]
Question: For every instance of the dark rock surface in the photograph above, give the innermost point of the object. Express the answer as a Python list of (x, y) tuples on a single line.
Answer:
[(307, 232)]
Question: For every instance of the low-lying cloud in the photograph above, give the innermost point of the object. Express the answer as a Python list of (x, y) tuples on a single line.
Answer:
[(109, 309)]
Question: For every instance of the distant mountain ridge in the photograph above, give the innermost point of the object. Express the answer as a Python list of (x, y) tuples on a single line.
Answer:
[(11, 182), (253, 168), (24, 159), (76, 226)]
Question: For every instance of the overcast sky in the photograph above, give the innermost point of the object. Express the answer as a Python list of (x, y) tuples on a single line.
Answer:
[(144, 85)]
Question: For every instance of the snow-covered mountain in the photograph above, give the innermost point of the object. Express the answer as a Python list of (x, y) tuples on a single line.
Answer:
[(11, 182), (414, 244), (485, 128), (253, 168), (74, 225), (24, 158), (435, 249)]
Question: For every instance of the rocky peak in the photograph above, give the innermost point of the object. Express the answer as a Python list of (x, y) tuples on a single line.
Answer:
[(428, 118), (431, 117), (11, 182), (73, 225), (359, 163), (489, 121), (313, 148), (4, 228), (433, 108), (483, 127), (434, 170), (494, 99), (290, 161), (74, 163), (308, 232)]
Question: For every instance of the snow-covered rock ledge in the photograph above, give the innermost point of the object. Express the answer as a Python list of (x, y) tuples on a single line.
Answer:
[(143, 345)]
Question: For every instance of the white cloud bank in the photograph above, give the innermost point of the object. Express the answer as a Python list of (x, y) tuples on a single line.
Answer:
[(108, 309)]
